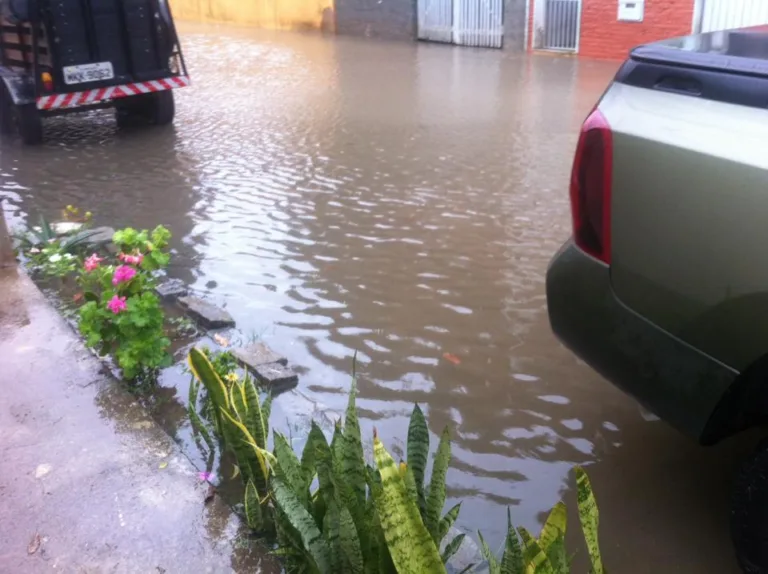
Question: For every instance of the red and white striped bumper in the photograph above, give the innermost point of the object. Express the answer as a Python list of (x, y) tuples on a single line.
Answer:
[(90, 97)]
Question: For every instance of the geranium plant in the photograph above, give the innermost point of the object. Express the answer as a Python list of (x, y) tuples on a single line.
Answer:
[(122, 315)]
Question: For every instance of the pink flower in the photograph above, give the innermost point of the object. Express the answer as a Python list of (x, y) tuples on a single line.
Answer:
[(116, 305), (133, 259), (205, 476), (93, 262), (122, 274)]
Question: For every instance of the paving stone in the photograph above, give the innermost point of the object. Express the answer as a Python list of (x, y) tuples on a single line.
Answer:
[(207, 314), (171, 289), (257, 354), (276, 376)]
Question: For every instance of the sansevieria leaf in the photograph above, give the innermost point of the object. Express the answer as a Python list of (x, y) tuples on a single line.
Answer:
[(512, 561), (436, 498), (418, 451), (304, 524), (410, 482), (351, 552), (353, 461), (452, 548), (410, 544), (253, 514), (262, 456), (447, 521), (289, 468), (589, 518), (490, 557), (202, 369), (552, 538), (238, 402), (255, 421), (535, 559)]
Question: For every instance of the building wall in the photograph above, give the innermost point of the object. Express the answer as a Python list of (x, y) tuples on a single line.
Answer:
[(604, 37), (273, 14), (390, 19), (514, 25)]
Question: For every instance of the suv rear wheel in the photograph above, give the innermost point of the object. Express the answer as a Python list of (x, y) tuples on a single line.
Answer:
[(156, 108), (749, 512)]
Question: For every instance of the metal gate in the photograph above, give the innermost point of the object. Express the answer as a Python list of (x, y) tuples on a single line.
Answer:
[(463, 22), (727, 14), (562, 19)]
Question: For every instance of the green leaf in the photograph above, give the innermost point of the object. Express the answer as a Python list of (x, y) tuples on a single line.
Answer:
[(589, 518), (204, 372), (246, 449), (305, 525), (253, 514), (535, 559), (255, 421), (353, 461), (351, 552), (452, 548), (418, 450), (447, 521), (490, 557), (238, 402), (289, 468), (410, 545), (266, 412), (436, 498), (410, 483), (512, 561), (554, 527), (331, 529)]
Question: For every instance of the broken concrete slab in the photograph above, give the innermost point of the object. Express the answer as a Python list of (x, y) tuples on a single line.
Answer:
[(66, 227), (207, 314), (171, 289), (276, 376), (99, 236), (255, 355)]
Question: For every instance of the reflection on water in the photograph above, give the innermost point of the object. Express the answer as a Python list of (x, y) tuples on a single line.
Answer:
[(402, 201)]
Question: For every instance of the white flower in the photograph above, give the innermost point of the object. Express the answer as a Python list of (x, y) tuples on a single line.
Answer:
[(69, 256), (55, 258)]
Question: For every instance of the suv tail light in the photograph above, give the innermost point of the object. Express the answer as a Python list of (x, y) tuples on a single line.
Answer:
[(591, 187)]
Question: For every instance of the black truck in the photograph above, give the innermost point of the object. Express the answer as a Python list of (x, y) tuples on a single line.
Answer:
[(65, 56)]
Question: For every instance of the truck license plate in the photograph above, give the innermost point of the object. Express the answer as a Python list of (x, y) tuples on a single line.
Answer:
[(88, 73)]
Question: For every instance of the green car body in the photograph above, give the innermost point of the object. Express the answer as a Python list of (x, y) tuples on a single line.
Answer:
[(678, 314)]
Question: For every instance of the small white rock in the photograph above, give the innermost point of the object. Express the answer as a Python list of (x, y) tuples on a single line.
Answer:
[(42, 470)]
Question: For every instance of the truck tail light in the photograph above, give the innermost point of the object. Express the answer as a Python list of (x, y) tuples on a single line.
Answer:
[(591, 187), (47, 81)]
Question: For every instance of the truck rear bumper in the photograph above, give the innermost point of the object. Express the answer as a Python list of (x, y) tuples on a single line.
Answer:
[(672, 379), (99, 96)]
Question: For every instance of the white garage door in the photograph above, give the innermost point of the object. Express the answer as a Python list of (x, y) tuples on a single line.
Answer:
[(726, 14)]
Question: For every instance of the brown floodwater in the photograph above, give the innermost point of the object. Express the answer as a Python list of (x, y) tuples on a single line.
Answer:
[(401, 201)]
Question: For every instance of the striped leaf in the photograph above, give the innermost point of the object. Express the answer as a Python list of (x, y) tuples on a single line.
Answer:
[(512, 561), (552, 538), (589, 518), (331, 529), (253, 515), (452, 548), (238, 402), (418, 450), (535, 559), (410, 483), (205, 373), (266, 412), (323, 463), (490, 557), (308, 454), (194, 417), (351, 552), (289, 468), (304, 524), (409, 542), (255, 422), (353, 460), (246, 443), (436, 497), (447, 521)]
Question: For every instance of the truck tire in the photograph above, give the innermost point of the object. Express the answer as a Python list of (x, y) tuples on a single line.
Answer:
[(30, 124), (6, 111), (156, 108), (163, 108), (749, 512)]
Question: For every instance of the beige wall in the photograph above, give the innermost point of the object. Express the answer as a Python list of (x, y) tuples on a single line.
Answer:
[(273, 14)]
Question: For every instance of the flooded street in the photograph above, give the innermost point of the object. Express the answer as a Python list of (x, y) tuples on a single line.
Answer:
[(401, 201)]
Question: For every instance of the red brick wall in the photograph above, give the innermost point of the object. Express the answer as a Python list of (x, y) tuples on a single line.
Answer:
[(604, 37)]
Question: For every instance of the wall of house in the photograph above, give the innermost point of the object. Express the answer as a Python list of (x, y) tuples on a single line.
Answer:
[(514, 25), (390, 19), (604, 36), (272, 14)]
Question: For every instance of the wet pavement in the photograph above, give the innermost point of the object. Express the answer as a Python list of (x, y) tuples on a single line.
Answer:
[(402, 201), (89, 482)]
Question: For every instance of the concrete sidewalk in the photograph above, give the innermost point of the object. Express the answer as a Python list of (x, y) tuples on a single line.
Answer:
[(88, 482)]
